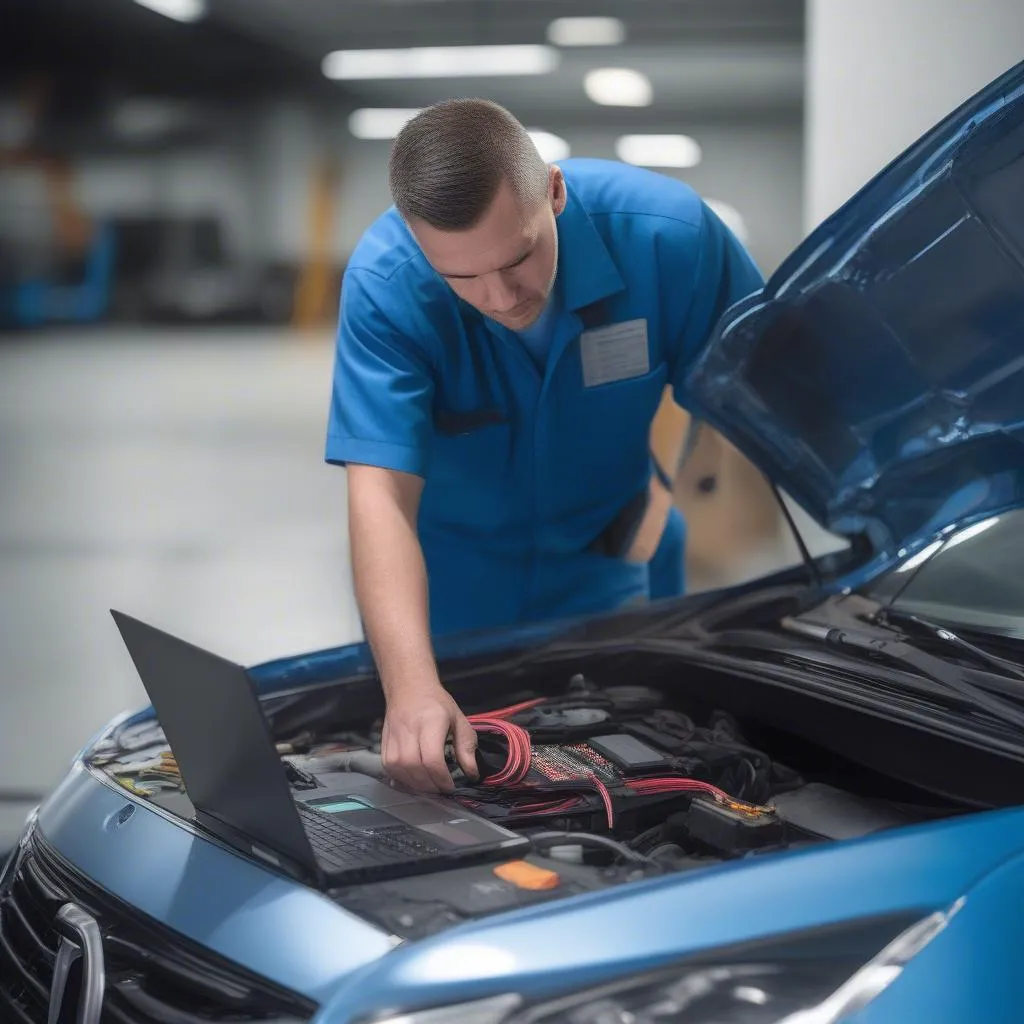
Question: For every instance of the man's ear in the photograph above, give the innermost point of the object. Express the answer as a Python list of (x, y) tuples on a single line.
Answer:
[(556, 189)]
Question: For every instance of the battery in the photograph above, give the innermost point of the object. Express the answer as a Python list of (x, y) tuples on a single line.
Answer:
[(732, 829)]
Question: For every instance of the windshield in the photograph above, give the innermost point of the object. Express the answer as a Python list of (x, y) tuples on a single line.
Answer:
[(975, 579)]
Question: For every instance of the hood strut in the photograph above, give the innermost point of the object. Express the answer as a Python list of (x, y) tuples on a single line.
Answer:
[(809, 564)]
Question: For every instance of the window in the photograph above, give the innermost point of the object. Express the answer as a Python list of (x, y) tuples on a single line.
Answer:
[(975, 579)]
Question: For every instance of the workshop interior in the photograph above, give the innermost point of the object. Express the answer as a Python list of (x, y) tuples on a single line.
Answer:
[(183, 665), (182, 184)]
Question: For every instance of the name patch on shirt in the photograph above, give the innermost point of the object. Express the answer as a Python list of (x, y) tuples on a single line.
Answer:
[(615, 352)]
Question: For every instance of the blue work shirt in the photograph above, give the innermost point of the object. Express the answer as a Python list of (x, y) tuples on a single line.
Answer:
[(527, 465), (540, 335)]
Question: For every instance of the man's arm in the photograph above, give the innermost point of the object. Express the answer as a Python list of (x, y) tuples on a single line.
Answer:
[(391, 588)]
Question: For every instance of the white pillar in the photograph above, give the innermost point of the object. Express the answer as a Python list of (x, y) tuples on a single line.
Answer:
[(880, 73)]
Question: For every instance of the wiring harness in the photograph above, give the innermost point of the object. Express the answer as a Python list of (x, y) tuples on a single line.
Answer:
[(543, 780)]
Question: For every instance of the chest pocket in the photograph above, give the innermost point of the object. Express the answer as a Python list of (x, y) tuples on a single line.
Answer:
[(470, 480)]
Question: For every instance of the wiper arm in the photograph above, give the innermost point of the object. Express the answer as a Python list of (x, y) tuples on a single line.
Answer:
[(894, 617), (948, 676)]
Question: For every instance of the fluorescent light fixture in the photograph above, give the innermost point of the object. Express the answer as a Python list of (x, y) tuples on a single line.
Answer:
[(658, 150), (551, 147), (731, 218), (379, 122), (179, 10), (586, 32), (618, 87), (440, 62)]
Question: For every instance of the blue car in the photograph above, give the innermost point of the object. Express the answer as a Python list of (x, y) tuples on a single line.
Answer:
[(800, 800)]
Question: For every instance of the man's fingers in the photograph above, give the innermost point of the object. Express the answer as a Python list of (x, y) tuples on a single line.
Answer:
[(413, 773), (436, 770), (432, 739), (400, 762), (465, 746), (413, 747)]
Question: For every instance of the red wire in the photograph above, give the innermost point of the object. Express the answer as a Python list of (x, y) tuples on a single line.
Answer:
[(512, 709), (606, 798), (519, 750), (550, 806), (677, 785)]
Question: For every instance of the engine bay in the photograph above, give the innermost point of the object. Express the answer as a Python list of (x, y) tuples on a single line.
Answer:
[(612, 782)]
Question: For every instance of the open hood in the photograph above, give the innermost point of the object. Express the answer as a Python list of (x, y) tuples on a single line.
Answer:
[(879, 377)]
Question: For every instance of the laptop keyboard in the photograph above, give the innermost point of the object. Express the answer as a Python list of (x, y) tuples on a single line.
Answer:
[(341, 846)]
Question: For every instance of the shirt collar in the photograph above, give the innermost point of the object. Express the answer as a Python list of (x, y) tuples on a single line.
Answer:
[(585, 266)]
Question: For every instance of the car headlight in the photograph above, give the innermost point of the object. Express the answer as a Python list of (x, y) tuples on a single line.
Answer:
[(816, 977)]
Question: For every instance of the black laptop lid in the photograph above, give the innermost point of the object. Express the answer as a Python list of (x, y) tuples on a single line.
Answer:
[(211, 716)]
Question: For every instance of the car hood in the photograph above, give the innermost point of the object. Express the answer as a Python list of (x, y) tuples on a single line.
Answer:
[(879, 377)]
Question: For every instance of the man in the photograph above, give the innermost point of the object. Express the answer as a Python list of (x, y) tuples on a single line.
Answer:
[(506, 334)]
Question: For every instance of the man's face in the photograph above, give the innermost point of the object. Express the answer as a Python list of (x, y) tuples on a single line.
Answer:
[(504, 266)]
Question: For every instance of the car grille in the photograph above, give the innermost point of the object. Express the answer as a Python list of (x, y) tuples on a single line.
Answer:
[(152, 973)]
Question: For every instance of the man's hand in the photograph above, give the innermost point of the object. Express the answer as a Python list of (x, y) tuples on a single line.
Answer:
[(416, 726)]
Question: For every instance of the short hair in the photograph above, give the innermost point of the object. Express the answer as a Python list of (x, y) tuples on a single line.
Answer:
[(449, 161)]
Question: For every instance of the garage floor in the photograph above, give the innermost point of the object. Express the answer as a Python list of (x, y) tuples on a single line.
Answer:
[(177, 476)]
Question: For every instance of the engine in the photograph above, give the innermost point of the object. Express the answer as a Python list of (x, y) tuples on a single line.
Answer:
[(612, 784)]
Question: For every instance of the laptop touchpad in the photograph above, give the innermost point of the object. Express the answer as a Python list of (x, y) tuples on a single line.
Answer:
[(461, 831), (422, 812)]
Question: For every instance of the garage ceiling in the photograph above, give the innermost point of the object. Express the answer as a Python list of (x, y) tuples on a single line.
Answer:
[(713, 59)]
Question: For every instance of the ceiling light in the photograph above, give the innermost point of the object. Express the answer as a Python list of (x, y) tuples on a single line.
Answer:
[(179, 10), (618, 87), (658, 150), (586, 32), (441, 62), (551, 147), (731, 218), (379, 122)]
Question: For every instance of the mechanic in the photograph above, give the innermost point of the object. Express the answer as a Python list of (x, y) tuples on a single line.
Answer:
[(506, 333)]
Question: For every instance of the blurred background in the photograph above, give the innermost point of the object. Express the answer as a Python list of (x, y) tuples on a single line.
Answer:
[(181, 182)]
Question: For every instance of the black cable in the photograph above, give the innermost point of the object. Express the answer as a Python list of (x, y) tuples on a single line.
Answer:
[(655, 834), (590, 839), (809, 564)]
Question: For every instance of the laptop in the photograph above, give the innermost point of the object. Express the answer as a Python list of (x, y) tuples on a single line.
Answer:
[(349, 828)]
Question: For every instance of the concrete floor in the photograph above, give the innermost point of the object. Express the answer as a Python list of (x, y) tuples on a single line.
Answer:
[(178, 476)]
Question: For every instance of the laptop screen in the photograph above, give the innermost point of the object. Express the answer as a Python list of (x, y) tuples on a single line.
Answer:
[(211, 715)]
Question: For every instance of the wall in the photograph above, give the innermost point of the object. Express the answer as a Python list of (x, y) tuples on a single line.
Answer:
[(880, 73)]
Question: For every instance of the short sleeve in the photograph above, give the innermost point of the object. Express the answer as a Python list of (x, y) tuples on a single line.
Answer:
[(383, 387), (724, 273)]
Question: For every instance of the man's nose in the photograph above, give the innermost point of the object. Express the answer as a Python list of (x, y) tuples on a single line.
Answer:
[(501, 295)]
